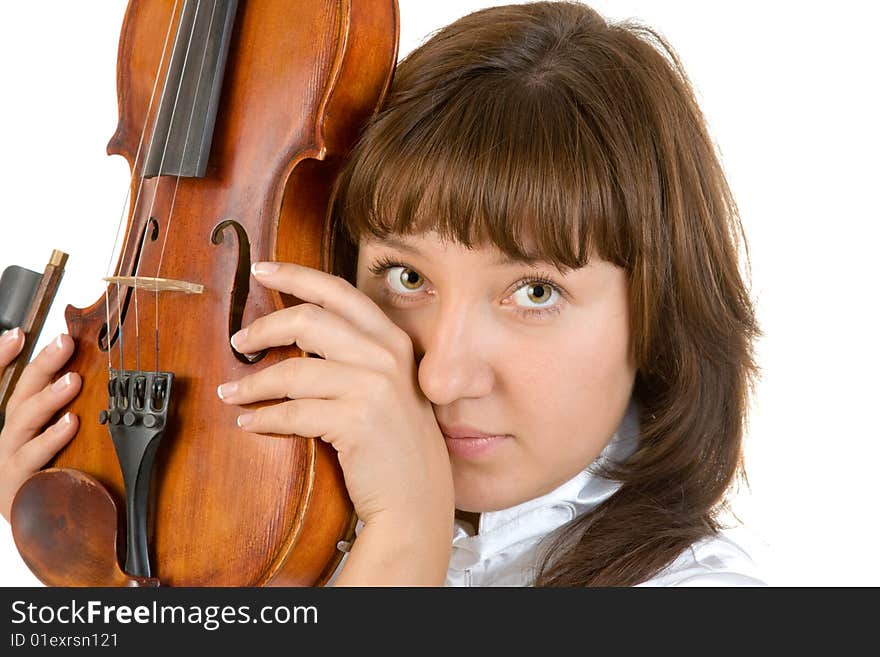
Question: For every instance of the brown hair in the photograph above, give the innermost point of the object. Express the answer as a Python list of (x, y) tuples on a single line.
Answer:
[(544, 120)]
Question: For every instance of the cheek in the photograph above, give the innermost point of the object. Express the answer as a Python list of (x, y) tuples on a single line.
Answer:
[(578, 393), (605, 353), (585, 361)]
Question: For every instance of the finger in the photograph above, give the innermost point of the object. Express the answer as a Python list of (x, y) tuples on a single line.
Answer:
[(331, 292), (294, 378), (32, 414), (36, 453), (300, 417), (41, 370), (315, 330), (11, 343)]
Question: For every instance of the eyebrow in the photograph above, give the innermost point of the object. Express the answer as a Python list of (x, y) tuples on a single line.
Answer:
[(501, 260)]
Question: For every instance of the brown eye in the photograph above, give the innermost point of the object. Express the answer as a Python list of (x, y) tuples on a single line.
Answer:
[(403, 281), (536, 294), (539, 293), (410, 279)]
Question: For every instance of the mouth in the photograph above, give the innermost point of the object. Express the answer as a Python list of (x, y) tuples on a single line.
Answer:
[(467, 442)]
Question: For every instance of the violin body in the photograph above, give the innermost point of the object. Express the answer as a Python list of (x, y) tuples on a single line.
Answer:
[(225, 507)]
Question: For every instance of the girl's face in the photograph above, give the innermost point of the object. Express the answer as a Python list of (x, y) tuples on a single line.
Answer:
[(509, 349)]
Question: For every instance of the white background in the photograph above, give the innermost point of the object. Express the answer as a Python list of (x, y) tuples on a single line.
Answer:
[(789, 91)]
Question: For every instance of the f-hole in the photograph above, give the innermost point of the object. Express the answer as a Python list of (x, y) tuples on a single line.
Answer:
[(102, 334), (241, 285)]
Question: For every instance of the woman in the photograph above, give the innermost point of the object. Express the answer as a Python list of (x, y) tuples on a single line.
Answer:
[(537, 353)]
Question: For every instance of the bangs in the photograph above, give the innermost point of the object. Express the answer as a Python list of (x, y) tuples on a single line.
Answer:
[(504, 164)]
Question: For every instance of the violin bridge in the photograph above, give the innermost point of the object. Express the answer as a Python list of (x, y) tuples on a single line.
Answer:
[(156, 284)]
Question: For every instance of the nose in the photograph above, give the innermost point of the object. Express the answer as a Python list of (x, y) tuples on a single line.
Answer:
[(454, 356)]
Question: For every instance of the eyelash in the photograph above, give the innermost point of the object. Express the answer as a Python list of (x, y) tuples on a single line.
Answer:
[(382, 265)]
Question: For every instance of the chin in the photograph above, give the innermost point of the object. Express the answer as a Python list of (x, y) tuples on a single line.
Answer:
[(486, 495)]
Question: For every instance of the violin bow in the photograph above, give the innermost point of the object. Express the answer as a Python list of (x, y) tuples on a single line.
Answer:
[(32, 325)]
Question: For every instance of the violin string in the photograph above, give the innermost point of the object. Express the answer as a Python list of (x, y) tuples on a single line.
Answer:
[(137, 323), (177, 182), (134, 170)]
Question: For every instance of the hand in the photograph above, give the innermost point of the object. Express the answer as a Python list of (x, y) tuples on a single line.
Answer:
[(362, 396), (24, 446)]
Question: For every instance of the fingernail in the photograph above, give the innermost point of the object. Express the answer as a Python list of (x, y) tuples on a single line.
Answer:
[(10, 336), (227, 390), (63, 423), (62, 383), (245, 419), (238, 337), (58, 343), (264, 268)]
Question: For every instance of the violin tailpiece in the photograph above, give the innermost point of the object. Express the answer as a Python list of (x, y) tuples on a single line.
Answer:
[(138, 414)]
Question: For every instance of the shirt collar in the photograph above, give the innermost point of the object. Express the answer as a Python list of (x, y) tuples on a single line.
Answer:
[(529, 521)]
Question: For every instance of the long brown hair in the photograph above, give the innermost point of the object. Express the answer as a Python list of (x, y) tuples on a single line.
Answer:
[(545, 120)]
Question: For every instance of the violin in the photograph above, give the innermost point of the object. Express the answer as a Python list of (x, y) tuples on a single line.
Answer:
[(234, 118)]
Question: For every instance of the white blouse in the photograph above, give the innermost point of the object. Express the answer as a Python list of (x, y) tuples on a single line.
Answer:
[(503, 550)]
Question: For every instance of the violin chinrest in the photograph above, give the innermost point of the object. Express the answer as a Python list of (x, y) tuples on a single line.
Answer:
[(65, 525)]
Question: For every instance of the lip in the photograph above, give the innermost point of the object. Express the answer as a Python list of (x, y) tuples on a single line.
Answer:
[(465, 441), (464, 431)]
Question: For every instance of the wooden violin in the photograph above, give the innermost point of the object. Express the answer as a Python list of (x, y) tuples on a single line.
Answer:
[(234, 118)]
